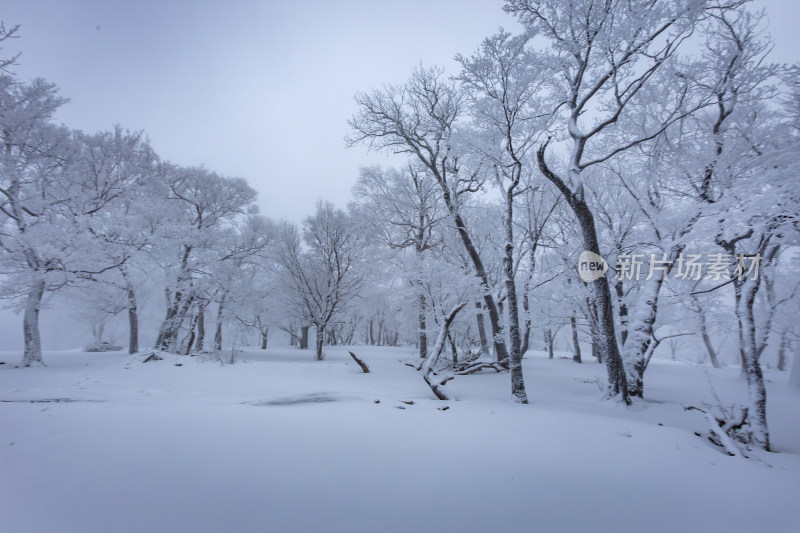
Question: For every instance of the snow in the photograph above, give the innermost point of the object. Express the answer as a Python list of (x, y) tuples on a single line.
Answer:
[(280, 442)]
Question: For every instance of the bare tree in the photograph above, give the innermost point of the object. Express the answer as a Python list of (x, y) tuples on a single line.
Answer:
[(320, 278)]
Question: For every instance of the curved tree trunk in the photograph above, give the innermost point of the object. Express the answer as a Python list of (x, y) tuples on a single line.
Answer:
[(607, 338), (745, 292)]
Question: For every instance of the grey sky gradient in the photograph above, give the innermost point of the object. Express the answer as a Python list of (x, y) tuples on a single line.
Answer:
[(257, 89)]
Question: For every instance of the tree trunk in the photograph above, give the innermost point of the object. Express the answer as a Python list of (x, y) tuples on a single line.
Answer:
[(98, 329), (712, 353), (427, 366), (782, 349), (607, 338), (319, 340), (526, 331), (591, 313), (133, 320), (192, 334), (548, 342), (482, 329), (453, 349), (264, 336), (623, 311), (641, 324), (168, 334), (371, 336), (422, 331), (304, 337), (201, 325), (745, 291), (576, 345), (515, 355), (617, 379), (220, 316), (32, 353), (794, 377), (480, 271), (172, 309)]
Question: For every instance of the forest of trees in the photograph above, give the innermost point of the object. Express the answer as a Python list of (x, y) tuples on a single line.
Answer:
[(655, 134)]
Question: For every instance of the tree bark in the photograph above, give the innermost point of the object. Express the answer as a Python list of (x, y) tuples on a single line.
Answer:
[(304, 337), (220, 316), (526, 331), (319, 340), (133, 318), (515, 356), (362, 364), (32, 353), (422, 332), (782, 349), (548, 342), (201, 325), (436, 383), (482, 329), (623, 311), (640, 328), (794, 377), (712, 353), (617, 379), (745, 292), (264, 336), (576, 345), (494, 316)]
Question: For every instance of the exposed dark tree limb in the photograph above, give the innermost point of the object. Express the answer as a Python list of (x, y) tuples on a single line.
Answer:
[(361, 363)]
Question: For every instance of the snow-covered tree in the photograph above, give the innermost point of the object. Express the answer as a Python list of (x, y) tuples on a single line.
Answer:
[(321, 266), (420, 118)]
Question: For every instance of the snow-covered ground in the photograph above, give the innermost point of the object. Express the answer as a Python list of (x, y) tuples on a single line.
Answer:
[(280, 443)]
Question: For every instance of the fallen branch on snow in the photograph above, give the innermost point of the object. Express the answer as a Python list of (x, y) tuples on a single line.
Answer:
[(727, 432), (437, 385), (361, 363), (477, 367)]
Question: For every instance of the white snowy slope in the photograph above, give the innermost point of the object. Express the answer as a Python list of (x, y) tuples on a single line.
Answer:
[(280, 443)]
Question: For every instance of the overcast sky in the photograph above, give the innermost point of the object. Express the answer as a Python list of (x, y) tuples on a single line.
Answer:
[(257, 89)]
